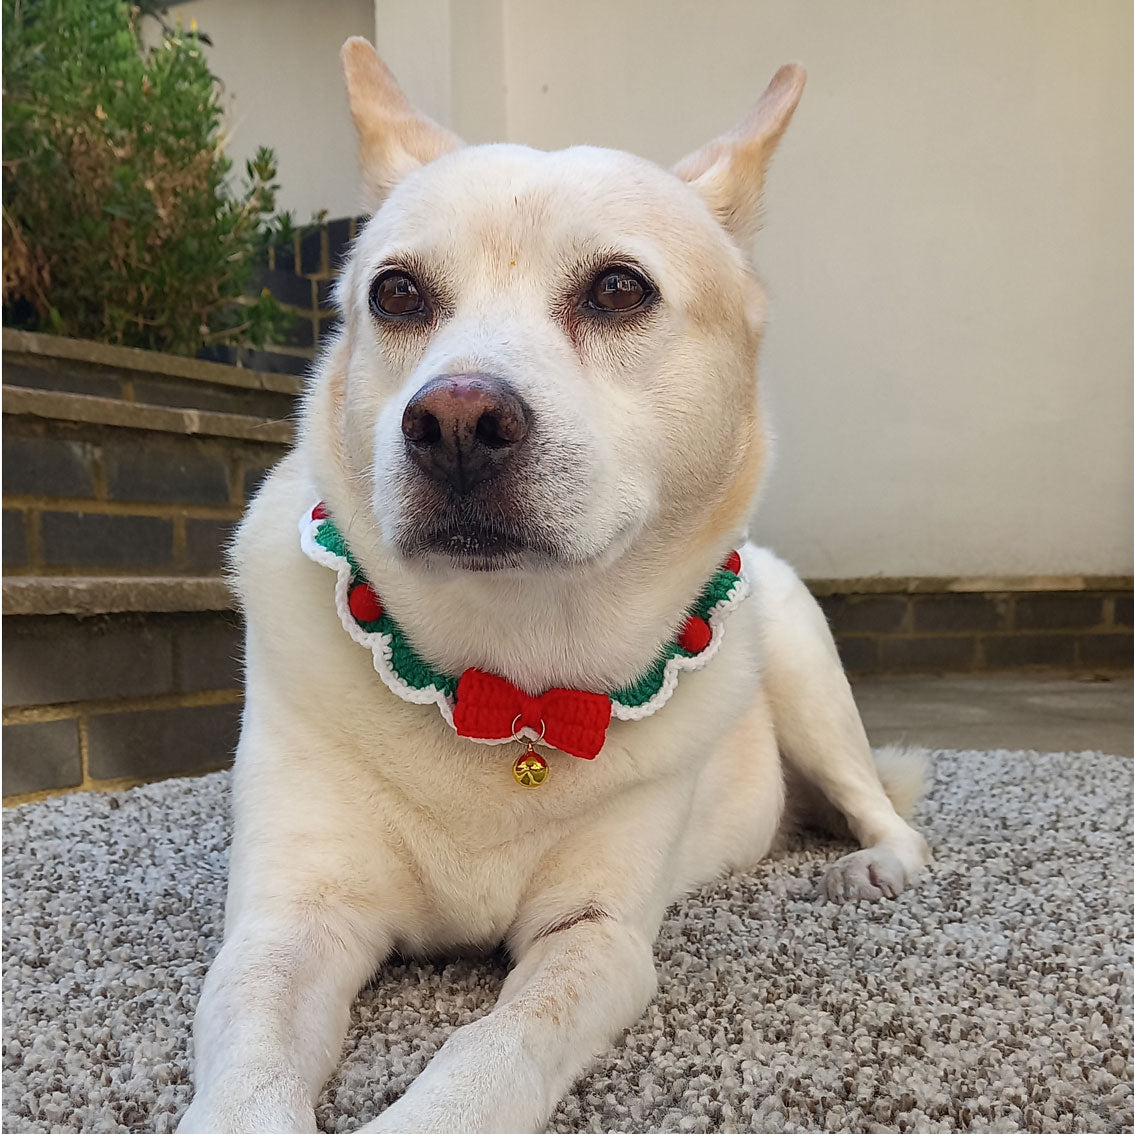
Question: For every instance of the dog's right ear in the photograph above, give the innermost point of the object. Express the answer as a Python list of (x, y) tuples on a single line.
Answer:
[(729, 171), (393, 138)]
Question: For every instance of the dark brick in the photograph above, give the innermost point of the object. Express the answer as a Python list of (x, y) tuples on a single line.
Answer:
[(188, 395), (928, 655), (41, 755), (48, 466), (161, 391), (338, 242), (57, 658), (865, 614), (1058, 612), (298, 331), (209, 652), (1110, 651), (71, 539), (285, 257), (254, 475), (271, 362), (324, 293), (181, 472), (285, 286), (226, 355), (162, 742), (1013, 651), (1124, 610), (327, 327), (311, 260), (15, 539), (199, 395), (205, 541), (858, 654), (57, 376), (937, 613)]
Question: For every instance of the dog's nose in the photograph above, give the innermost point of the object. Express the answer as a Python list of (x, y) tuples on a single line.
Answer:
[(461, 429)]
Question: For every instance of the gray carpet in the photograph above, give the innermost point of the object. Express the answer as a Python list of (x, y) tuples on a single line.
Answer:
[(997, 996)]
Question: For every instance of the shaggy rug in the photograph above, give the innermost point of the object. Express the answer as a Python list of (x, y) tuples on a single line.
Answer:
[(995, 996)]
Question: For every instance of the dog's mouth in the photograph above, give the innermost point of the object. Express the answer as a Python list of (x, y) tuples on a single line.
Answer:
[(476, 545)]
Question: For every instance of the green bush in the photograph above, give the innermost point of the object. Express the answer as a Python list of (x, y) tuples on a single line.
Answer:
[(118, 222)]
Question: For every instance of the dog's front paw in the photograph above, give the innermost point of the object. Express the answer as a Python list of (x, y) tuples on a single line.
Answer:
[(480, 1082), (866, 875)]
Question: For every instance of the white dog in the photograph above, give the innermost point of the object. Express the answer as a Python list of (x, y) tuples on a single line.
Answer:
[(518, 676)]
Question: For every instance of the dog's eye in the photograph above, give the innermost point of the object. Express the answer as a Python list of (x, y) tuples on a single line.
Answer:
[(395, 294), (619, 289)]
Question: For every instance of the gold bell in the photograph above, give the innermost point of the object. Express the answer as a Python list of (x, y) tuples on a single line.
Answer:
[(530, 768)]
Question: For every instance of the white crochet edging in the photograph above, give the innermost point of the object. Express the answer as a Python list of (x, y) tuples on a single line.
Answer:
[(679, 662)]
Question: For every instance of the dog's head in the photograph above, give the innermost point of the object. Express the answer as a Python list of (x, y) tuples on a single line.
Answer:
[(548, 360)]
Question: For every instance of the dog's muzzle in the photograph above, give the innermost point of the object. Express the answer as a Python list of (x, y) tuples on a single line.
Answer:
[(464, 429)]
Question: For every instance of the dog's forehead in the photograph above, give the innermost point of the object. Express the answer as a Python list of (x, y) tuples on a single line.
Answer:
[(497, 197)]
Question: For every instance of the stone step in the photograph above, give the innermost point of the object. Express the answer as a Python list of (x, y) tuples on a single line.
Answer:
[(114, 594), (74, 366)]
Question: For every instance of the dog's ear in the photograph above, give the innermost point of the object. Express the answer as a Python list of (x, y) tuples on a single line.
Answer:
[(729, 171), (393, 137)]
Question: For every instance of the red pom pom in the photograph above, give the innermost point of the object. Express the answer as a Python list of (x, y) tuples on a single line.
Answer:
[(319, 512), (732, 563), (695, 635), (364, 603)]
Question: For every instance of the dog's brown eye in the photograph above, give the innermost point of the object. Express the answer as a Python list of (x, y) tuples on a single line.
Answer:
[(395, 294), (619, 289)]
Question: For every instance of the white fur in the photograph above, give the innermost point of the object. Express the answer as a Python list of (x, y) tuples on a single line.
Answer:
[(363, 823)]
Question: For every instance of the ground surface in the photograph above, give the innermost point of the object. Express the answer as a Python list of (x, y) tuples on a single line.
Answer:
[(996, 996), (1046, 714)]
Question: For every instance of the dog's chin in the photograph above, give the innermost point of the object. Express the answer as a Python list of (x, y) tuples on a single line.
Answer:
[(469, 547)]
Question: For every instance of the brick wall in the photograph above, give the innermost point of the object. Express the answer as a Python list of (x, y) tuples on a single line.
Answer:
[(963, 632), (300, 275), (83, 498), (114, 699), (124, 473)]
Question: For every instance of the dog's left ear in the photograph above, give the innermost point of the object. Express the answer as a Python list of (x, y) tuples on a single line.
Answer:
[(729, 171), (393, 137)]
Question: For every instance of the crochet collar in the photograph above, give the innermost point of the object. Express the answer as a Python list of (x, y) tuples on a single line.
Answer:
[(490, 710)]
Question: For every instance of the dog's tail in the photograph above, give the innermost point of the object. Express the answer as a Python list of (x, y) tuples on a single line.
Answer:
[(905, 774)]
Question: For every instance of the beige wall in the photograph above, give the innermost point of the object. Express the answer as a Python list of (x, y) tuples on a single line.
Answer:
[(279, 63), (949, 242)]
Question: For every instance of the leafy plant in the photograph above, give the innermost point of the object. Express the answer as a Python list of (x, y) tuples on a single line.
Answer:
[(118, 221)]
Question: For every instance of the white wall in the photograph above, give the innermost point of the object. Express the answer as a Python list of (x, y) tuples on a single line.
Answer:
[(283, 87)]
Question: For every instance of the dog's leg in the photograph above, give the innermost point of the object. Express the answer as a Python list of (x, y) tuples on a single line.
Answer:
[(312, 897), (583, 943), (571, 994), (821, 736), (272, 1016)]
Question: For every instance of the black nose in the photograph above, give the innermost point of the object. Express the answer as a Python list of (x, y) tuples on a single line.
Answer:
[(462, 429)]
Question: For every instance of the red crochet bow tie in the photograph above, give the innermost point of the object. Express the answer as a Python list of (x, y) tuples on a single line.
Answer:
[(490, 708)]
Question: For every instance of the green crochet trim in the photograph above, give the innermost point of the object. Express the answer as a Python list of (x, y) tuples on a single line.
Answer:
[(405, 660), (647, 686), (716, 590)]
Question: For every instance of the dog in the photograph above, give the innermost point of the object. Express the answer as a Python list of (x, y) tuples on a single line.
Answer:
[(514, 673)]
